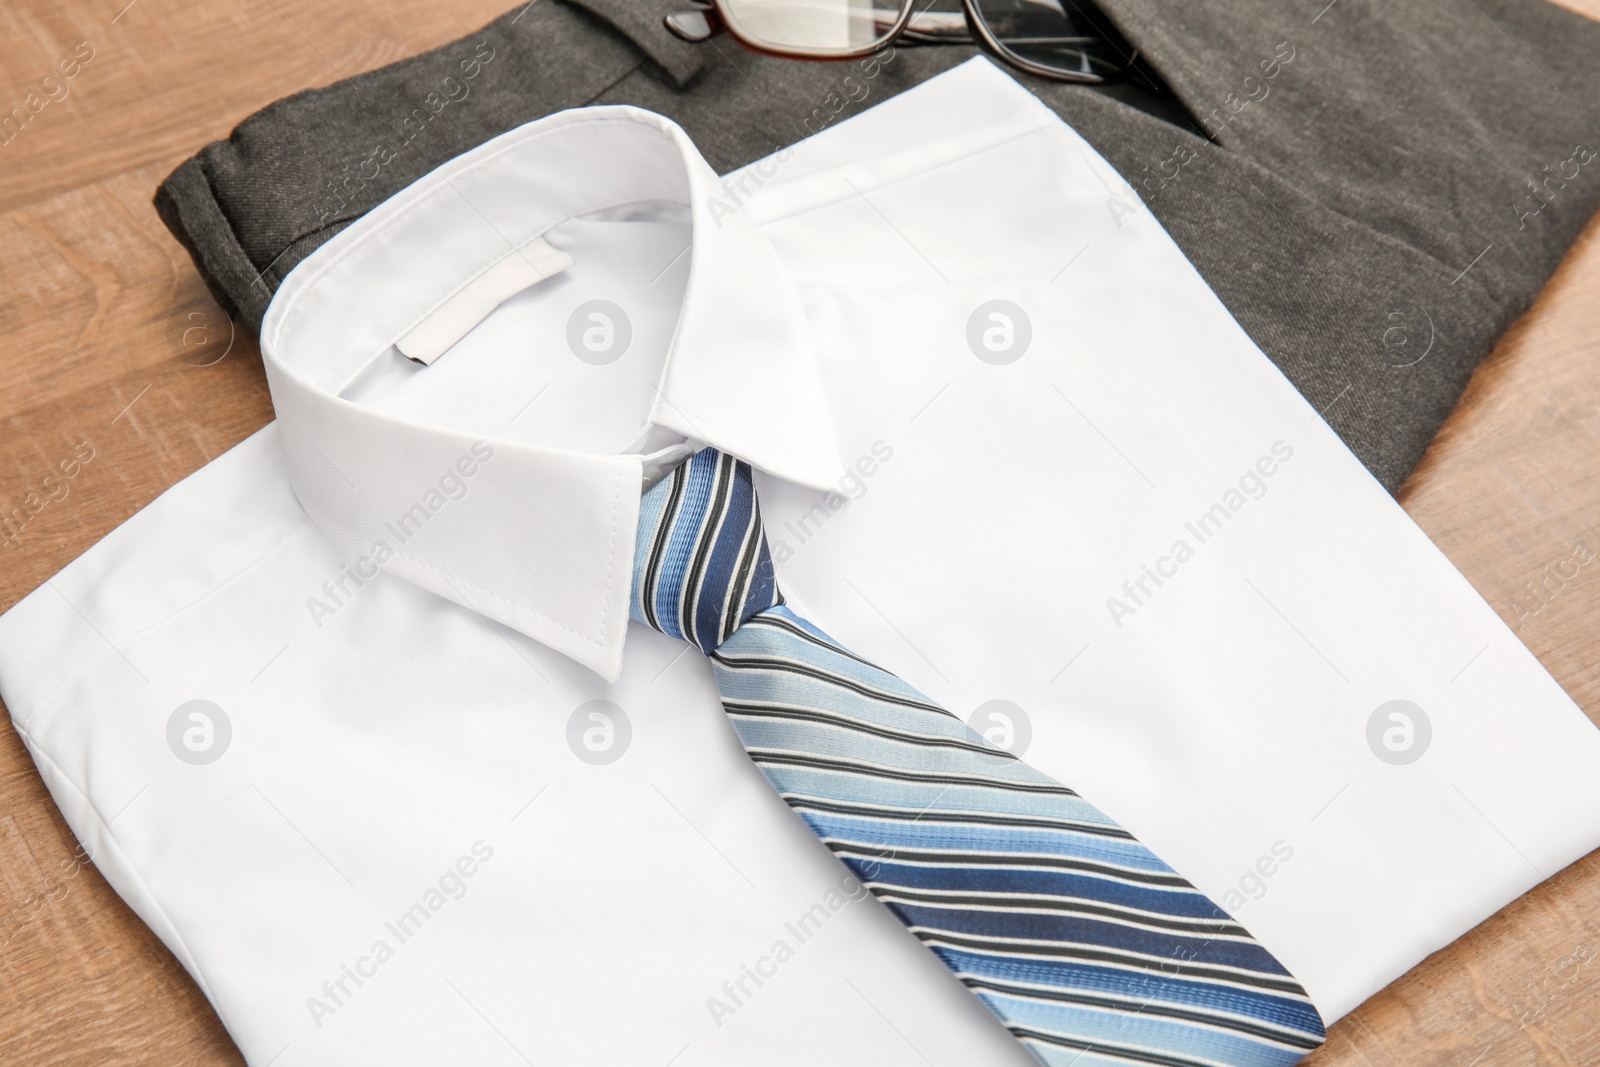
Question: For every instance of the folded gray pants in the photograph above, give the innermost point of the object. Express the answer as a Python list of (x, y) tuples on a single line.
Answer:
[(1374, 190)]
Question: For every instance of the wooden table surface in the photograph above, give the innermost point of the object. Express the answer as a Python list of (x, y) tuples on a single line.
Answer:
[(111, 340)]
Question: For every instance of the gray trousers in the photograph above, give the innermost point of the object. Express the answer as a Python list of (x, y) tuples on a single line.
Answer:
[(1375, 190)]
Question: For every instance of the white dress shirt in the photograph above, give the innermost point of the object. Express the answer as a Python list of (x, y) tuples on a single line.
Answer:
[(441, 803)]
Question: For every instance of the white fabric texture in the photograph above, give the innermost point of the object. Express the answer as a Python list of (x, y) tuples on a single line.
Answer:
[(985, 527)]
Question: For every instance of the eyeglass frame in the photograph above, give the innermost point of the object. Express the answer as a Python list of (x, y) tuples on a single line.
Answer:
[(937, 29)]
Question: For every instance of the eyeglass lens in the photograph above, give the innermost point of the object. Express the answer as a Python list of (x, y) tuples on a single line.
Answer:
[(818, 26), (1058, 34)]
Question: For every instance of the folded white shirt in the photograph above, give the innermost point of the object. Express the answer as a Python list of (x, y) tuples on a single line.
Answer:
[(439, 803)]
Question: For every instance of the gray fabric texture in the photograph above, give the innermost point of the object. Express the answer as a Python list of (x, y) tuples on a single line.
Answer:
[(1375, 191)]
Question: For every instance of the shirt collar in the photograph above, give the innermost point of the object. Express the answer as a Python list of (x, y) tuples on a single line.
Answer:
[(540, 539)]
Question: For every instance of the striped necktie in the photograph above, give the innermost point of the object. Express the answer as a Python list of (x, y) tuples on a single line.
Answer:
[(1089, 949)]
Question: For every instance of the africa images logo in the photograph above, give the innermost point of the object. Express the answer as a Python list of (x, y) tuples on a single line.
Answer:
[(452, 884), (1399, 732), (452, 485), (199, 732), (1251, 485)]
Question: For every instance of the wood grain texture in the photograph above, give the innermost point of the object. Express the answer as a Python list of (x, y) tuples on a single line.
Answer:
[(111, 340)]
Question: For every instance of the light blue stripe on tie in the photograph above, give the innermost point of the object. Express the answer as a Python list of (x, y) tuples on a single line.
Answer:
[(651, 507), (1137, 1027), (988, 839), (1284, 1012), (681, 539), (785, 689), (922, 795)]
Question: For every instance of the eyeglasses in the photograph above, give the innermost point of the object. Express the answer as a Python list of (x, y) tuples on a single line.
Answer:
[(1057, 39)]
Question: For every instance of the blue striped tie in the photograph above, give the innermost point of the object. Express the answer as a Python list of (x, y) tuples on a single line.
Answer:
[(1089, 949)]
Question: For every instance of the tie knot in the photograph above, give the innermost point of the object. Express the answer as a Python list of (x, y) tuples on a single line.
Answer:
[(701, 566)]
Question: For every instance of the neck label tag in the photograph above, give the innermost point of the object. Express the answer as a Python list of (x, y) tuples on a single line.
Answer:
[(456, 317)]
